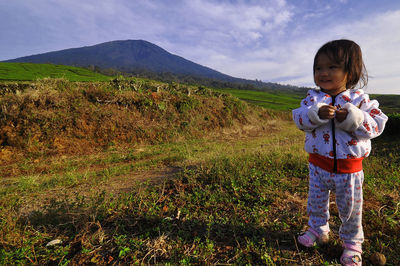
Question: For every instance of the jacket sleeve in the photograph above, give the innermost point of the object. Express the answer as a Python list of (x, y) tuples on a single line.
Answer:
[(306, 116), (367, 121)]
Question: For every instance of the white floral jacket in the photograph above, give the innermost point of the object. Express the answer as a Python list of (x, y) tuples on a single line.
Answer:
[(334, 146)]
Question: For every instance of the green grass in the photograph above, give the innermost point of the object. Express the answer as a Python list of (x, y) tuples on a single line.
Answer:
[(276, 101), (229, 202), (31, 72)]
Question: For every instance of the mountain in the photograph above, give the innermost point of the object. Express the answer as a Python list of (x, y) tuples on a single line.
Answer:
[(145, 58), (125, 56)]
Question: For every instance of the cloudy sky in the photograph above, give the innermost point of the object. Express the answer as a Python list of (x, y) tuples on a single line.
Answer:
[(269, 40)]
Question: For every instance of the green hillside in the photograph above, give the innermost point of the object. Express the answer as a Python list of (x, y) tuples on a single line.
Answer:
[(388, 103), (277, 100), (285, 101), (30, 72)]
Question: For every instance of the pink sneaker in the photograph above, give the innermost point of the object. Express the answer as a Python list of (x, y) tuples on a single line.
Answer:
[(351, 255), (311, 237)]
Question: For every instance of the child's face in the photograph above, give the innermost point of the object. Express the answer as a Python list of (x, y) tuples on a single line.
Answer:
[(329, 75)]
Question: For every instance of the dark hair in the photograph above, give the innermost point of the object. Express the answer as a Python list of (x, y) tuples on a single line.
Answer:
[(348, 54)]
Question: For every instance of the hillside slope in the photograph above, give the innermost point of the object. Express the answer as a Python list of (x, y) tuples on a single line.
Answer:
[(31, 72)]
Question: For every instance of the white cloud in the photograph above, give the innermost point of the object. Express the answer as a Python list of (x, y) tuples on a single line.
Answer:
[(231, 30), (243, 22), (381, 48)]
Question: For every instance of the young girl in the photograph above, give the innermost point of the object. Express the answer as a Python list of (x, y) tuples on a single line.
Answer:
[(339, 121)]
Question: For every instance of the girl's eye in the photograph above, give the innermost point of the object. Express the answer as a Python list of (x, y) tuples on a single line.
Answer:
[(333, 67)]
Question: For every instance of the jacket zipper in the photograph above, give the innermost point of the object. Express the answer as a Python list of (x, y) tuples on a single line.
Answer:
[(334, 139)]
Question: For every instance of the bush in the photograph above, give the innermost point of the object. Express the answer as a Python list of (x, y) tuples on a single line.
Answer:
[(392, 128), (55, 115)]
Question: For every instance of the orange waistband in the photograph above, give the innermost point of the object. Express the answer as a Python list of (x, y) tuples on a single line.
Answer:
[(344, 166)]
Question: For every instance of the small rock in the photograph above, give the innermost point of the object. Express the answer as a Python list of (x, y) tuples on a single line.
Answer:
[(378, 259), (54, 242)]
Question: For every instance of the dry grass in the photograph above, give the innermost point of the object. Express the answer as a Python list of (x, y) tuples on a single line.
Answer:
[(78, 118)]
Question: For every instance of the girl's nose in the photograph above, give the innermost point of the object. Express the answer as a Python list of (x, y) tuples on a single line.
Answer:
[(323, 72)]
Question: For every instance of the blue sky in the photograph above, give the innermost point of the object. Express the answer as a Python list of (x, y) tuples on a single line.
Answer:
[(269, 40)]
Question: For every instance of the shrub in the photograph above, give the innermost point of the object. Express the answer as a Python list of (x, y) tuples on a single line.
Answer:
[(61, 116), (392, 128)]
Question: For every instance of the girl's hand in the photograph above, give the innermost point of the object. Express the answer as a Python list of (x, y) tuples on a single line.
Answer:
[(341, 114), (327, 112)]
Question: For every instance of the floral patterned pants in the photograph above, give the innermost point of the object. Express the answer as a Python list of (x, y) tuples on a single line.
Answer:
[(349, 201)]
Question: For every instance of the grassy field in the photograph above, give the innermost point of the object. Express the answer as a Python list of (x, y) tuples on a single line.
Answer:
[(275, 101), (30, 72), (388, 103), (218, 189), (284, 101)]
